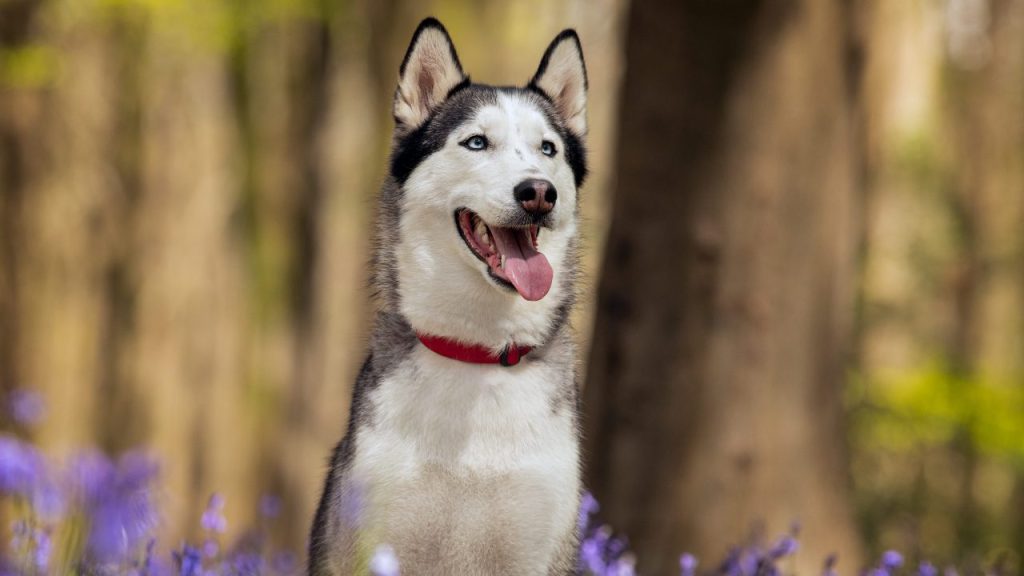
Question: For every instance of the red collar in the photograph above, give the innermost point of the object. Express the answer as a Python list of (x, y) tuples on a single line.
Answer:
[(473, 353)]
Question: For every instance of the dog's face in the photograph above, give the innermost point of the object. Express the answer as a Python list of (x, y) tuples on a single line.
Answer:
[(488, 203)]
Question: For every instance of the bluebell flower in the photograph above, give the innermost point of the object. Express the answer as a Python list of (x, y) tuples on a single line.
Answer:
[(687, 565), (7, 568), (26, 407), (592, 551), (20, 532), (384, 562), (891, 560), (121, 510), (283, 563), (90, 475), (926, 569), (786, 546), (48, 499), (43, 550), (213, 517), (731, 565), (210, 548), (615, 547), (248, 563), (588, 507), (190, 561), (151, 565), (751, 561), (270, 506), (21, 467), (625, 566)]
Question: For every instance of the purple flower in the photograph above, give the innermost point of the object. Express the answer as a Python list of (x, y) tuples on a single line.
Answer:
[(210, 548), (90, 474), (384, 562), (731, 565), (248, 563), (687, 564), (121, 509), (615, 547), (588, 507), (26, 407), (21, 467), (151, 566), (592, 551), (926, 569), (48, 499), (749, 561), (621, 567), (213, 517), (270, 506), (43, 550), (283, 563), (190, 561), (19, 533), (891, 560), (785, 547)]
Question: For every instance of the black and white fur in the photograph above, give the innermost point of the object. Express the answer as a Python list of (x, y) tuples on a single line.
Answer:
[(465, 468)]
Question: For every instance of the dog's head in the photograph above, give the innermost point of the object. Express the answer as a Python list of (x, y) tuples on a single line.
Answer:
[(485, 186)]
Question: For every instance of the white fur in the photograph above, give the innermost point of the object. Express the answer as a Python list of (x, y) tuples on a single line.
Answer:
[(470, 458), (431, 252)]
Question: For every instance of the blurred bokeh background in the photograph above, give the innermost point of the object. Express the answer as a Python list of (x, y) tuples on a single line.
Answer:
[(804, 252)]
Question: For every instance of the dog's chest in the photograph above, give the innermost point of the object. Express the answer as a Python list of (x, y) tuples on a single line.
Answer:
[(470, 458)]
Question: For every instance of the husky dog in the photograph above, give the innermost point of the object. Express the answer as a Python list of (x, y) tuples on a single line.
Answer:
[(462, 449)]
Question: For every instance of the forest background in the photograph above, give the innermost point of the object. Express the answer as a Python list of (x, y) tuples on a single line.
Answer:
[(804, 252)]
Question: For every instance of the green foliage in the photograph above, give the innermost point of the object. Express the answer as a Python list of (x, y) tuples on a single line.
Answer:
[(28, 66), (916, 155), (212, 25), (932, 405)]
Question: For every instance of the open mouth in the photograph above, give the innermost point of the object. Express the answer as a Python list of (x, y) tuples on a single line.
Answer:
[(510, 253)]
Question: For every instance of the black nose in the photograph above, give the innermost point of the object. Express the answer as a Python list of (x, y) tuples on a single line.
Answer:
[(536, 196)]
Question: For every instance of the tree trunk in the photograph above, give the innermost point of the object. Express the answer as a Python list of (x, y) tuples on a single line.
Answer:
[(985, 94), (714, 391)]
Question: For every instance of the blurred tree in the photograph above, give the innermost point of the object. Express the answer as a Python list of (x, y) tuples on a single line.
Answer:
[(15, 19), (937, 414), (714, 384), (984, 76)]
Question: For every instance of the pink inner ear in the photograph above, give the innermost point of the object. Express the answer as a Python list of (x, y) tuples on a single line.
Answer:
[(425, 81)]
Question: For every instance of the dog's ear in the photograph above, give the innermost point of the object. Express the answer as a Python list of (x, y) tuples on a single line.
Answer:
[(562, 76), (430, 70)]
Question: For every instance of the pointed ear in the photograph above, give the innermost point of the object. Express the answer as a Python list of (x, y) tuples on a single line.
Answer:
[(562, 76), (429, 71)]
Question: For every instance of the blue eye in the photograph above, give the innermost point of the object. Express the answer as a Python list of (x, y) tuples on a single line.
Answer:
[(475, 143), (547, 148)]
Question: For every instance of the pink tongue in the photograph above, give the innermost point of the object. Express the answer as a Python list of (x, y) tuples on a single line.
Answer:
[(527, 269)]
